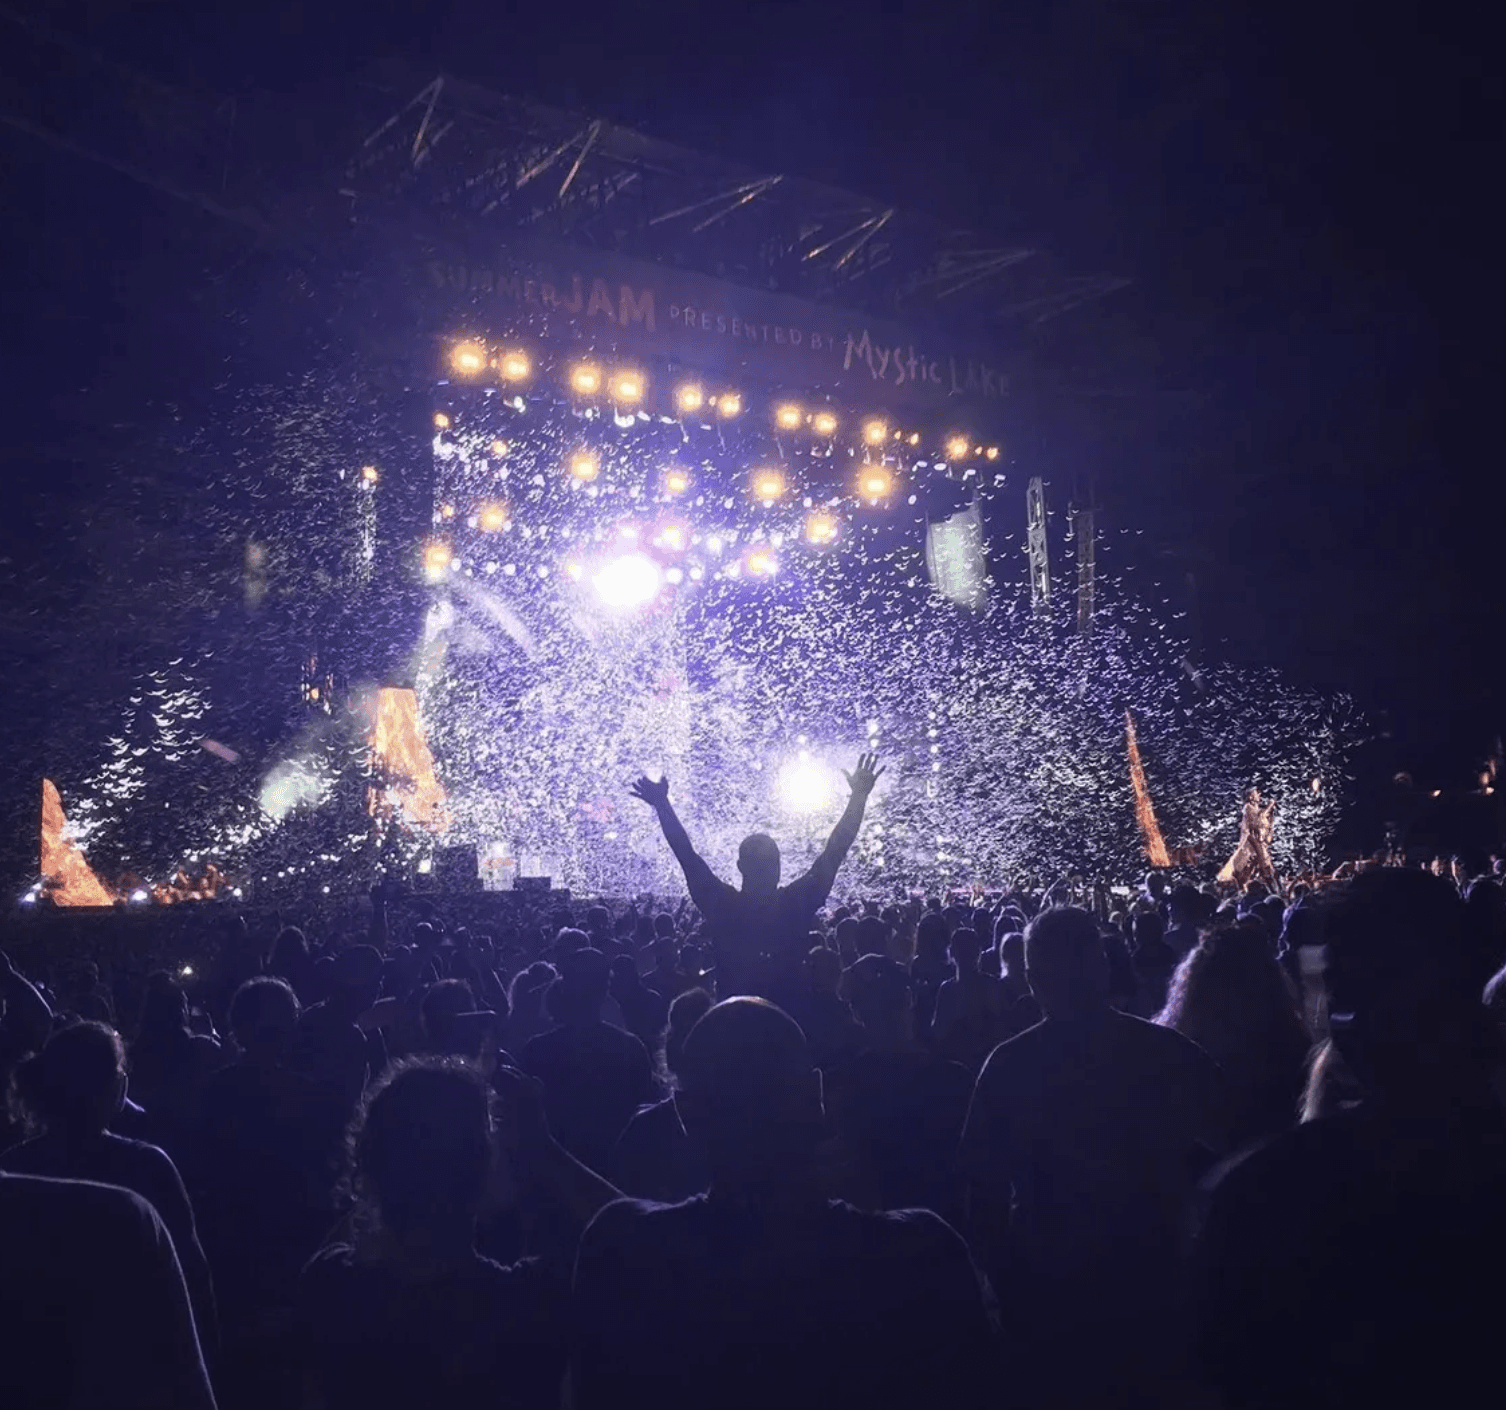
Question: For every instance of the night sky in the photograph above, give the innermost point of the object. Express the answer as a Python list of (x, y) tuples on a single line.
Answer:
[(1297, 400)]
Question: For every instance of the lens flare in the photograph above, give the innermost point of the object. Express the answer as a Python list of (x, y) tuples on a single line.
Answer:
[(468, 359), (768, 485), (821, 528)]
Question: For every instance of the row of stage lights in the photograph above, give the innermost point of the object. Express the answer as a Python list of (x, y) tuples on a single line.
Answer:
[(627, 387), (820, 529)]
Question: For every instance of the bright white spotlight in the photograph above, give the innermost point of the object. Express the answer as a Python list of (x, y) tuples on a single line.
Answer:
[(804, 785), (627, 582)]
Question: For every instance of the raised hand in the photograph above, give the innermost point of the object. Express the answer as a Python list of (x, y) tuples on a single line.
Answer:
[(656, 795), (862, 778)]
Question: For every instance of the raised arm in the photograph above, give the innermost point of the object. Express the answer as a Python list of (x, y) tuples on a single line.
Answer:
[(861, 781), (697, 873)]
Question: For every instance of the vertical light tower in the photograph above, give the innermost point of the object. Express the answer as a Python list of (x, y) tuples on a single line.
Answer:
[(1040, 561), (1084, 535)]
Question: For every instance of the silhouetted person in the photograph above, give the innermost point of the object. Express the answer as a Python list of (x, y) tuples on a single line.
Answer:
[(94, 1314), (595, 1076), (969, 1018), (1234, 1001), (169, 1063), (644, 1012), (654, 1158), (70, 1091), (408, 1313), (267, 1140), (1078, 1148), (1356, 1259), (824, 1015), (759, 933), (762, 1292), (329, 1047), (896, 1109), (1154, 960)]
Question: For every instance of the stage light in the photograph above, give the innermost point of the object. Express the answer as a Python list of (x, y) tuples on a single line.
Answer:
[(491, 517), (993, 452), (441, 421), (914, 438), (690, 397), (627, 387), (585, 466), (729, 404), (672, 537), (437, 560), (762, 564), (788, 418), (674, 576), (804, 786), (874, 432), (627, 582), (586, 380), (446, 511), (676, 481), (468, 359), (515, 366), (768, 485), (574, 571), (956, 448), (823, 423), (875, 482), (369, 474), (139, 896), (821, 527)]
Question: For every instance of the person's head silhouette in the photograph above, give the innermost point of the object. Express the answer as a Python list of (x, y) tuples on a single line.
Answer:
[(422, 1149), (76, 1083), (1402, 979), (758, 861), (750, 1097), (1066, 964), (263, 1015)]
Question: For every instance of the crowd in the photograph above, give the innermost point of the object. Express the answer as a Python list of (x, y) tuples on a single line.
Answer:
[(1190, 1147)]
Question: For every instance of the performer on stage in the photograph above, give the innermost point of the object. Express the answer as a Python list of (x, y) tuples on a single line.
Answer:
[(1252, 858)]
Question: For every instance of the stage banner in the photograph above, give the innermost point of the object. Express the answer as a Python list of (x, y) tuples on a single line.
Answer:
[(613, 304)]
